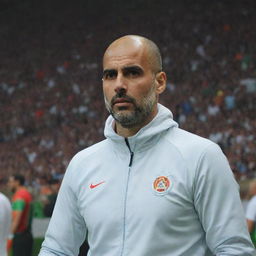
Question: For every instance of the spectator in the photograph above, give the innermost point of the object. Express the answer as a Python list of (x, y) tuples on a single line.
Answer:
[(251, 210), (5, 223), (51, 198), (21, 216)]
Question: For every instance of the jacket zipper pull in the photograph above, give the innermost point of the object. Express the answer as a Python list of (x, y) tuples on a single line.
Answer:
[(131, 153), (131, 158)]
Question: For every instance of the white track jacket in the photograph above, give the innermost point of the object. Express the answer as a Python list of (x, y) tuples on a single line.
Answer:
[(161, 192)]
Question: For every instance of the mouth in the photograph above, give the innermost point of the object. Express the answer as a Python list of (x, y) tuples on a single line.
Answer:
[(121, 101)]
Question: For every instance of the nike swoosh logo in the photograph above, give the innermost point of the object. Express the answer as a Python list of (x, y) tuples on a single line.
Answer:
[(96, 185)]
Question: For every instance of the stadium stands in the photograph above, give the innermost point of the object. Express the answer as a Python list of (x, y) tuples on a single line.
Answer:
[(50, 77)]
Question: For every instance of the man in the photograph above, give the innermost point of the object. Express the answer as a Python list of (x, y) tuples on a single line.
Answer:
[(51, 198), (150, 188), (5, 223), (21, 216), (251, 210)]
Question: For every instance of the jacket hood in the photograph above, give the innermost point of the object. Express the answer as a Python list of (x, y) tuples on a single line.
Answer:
[(145, 136)]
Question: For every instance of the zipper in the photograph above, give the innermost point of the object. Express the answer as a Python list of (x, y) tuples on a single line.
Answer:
[(131, 153), (126, 191)]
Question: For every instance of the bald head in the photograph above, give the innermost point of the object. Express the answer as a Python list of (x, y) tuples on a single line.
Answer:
[(137, 43)]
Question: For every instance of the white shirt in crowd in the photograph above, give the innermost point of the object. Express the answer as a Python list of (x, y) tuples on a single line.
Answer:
[(5, 222), (251, 209)]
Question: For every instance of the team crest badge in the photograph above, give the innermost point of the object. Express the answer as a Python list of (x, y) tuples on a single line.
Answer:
[(161, 184)]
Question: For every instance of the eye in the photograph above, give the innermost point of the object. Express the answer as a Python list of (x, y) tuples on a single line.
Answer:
[(109, 74), (133, 72)]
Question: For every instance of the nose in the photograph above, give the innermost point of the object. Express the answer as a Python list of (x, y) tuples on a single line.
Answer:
[(121, 84)]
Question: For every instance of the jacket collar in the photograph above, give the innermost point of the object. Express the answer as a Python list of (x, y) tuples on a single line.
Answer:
[(146, 136)]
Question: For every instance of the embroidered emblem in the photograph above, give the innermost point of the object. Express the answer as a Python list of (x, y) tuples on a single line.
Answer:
[(161, 184)]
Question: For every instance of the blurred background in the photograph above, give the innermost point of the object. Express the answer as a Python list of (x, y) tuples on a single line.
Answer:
[(51, 98)]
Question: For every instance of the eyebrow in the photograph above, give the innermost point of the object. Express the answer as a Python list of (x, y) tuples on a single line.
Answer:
[(132, 68), (124, 69)]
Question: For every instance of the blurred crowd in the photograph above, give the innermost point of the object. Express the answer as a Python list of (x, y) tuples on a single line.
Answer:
[(50, 78)]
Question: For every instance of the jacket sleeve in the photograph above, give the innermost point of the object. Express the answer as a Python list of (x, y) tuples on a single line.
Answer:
[(67, 230), (217, 202)]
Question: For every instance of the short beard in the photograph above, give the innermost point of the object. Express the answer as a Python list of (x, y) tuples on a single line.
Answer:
[(140, 113)]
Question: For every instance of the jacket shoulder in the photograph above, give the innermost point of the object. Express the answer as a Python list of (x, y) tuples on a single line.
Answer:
[(87, 153), (190, 146), (180, 136)]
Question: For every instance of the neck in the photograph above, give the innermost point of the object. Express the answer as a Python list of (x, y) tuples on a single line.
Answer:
[(18, 188), (128, 132)]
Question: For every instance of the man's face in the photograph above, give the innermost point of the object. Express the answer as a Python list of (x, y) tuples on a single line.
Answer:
[(12, 184), (129, 85)]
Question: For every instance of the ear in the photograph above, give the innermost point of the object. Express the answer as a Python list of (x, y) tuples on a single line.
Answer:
[(160, 82)]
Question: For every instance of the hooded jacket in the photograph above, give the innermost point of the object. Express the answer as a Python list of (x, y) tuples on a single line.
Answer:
[(161, 192)]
